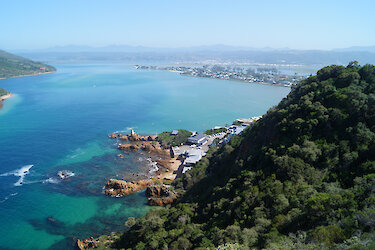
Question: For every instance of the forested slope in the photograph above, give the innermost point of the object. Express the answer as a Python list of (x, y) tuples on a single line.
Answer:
[(302, 177), (12, 66)]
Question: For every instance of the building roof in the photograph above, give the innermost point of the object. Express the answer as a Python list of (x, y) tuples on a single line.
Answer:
[(186, 169), (197, 137), (239, 130), (193, 159), (194, 151), (175, 132)]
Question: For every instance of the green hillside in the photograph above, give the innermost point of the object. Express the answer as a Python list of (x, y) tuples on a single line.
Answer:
[(3, 92), (302, 177), (13, 66)]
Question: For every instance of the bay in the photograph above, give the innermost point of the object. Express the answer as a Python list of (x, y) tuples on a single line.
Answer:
[(61, 121)]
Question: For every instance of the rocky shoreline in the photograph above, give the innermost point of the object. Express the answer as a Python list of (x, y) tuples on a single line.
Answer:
[(165, 168), (158, 193)]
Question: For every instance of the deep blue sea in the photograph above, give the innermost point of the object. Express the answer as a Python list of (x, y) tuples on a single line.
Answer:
[(61, 121)]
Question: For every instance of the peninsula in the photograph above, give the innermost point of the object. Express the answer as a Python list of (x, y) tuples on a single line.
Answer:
[(16, 66), (261, 75)]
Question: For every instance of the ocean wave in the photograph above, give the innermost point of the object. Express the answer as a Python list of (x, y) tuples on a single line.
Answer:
[(153, 165), (63, 174), (124, 130), (7, 197), (22, 172), (51, 180), (76, 153)]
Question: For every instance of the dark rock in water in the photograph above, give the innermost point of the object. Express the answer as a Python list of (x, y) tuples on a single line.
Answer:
[(52, 221)]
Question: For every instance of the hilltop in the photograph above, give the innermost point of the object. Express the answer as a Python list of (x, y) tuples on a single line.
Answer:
[(14, 66), (302, 177)]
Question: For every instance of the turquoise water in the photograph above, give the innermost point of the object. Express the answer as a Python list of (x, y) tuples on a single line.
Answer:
[(61, 121)]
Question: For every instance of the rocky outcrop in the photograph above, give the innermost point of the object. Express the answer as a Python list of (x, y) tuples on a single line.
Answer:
[(157, 190), (128, 146), (160, 195), (152, 137), (133, 137), (122, 188), (145, 146), (87, 243), (161, 201), (113, 136)]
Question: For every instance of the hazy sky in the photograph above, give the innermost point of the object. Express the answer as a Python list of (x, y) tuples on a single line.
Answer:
[(299, 24)]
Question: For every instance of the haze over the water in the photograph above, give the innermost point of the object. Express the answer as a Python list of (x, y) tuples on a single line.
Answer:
[(278, 24)]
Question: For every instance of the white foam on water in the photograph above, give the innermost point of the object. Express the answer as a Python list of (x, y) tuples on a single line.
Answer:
[(124, 130), (76, 153), (63, 174), (22, 172), (51, 180), (7, 197), (153, 165)]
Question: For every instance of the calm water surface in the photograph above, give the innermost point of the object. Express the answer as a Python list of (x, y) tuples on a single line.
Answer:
[(61, 121)]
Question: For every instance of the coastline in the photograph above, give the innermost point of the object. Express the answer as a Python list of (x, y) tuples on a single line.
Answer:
[(182, 73), (237, 80), (36, 74), (166, 166), (4, 97)]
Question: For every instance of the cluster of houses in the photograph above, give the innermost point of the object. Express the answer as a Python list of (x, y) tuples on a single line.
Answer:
[(198, 144), (263, 76), (190, 154)]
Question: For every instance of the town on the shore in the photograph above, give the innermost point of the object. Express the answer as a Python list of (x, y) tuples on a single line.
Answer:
[(197, 145), (177, 152), (261, 75)]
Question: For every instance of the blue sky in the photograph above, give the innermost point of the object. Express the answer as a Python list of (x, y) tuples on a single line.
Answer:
[(30, 24)]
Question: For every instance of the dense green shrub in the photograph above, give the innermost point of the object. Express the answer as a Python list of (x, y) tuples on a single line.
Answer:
[(168, 140), (302, 177)]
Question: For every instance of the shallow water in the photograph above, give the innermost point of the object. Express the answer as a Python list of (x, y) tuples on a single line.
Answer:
[(61, 121)]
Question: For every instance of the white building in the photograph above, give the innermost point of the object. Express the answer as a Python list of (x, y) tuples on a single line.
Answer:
[(197, 139), (175, 151), (193, 155)]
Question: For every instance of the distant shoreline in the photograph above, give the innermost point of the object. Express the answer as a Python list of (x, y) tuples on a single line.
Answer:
[(36, 74), (187, 71)]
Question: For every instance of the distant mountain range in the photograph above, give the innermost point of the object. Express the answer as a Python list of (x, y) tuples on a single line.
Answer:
[(216, 47), (370, 49), (131, 49), (214, 53)]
